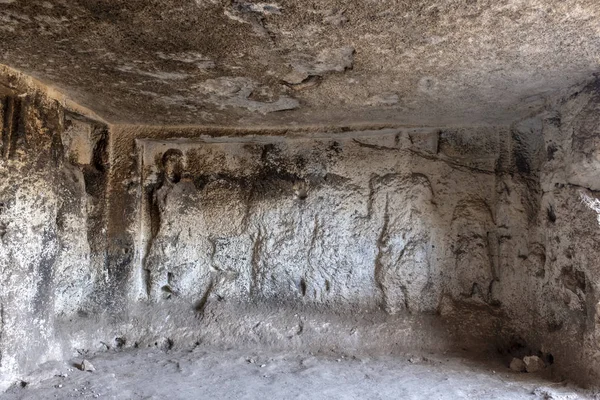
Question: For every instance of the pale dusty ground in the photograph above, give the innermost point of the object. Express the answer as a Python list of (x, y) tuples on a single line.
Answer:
[(208, 373)]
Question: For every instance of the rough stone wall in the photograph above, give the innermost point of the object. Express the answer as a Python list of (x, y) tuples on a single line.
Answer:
[(464, 223), (548, 233), (354, 240), (570, 219), (51, 194), (400, 220), (379, 239), (354, 221)]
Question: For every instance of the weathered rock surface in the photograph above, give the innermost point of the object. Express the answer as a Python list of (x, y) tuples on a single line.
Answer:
[(51, 203), (443, 61), (533, 364), (402, 237), (517, 365), (315, 221)]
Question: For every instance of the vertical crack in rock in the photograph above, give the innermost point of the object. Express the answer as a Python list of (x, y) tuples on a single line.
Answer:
[(256, 268), (303, 287), (313, 240), (247, 212), (202, 303), (492, 247), (312, 269), (3, 111), (213, 253), (371, 196), (381, 249), (11, 126)]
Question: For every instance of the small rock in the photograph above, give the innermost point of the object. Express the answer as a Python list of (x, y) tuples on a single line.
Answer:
[(263, 365), (86, 366), (533, 364), (517, 365)]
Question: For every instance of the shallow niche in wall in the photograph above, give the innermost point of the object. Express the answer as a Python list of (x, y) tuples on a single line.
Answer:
[(349, 220)]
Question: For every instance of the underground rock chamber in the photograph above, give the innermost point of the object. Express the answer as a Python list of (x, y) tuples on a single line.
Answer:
[(417, 245), (266, 219)]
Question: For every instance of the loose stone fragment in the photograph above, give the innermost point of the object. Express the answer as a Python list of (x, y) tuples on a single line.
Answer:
[(533, 363), (517, 365), (86, 366)]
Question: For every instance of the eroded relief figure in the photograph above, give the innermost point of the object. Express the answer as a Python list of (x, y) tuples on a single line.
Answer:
[(174, 197), (471, 224), (403, 262), (197, 246)]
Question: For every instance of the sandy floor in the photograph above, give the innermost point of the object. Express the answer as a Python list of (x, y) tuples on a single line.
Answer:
[(207, 373)]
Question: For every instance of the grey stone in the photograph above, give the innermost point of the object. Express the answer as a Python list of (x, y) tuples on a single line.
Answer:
[(316, 237), (517, 365), (430, 60), (86, 366), (533, 364)]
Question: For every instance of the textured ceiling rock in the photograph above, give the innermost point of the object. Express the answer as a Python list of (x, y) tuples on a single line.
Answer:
[(234, 62)]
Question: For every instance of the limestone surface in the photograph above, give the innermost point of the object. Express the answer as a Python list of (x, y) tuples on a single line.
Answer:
[(436, 237), (168, 62)]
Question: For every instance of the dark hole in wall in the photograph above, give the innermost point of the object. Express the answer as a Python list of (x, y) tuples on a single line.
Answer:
[(550, 151), (515, 346), (521, 162), (120, 342), (551, 214), (303, 287), (12, 124), (100, 151)]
